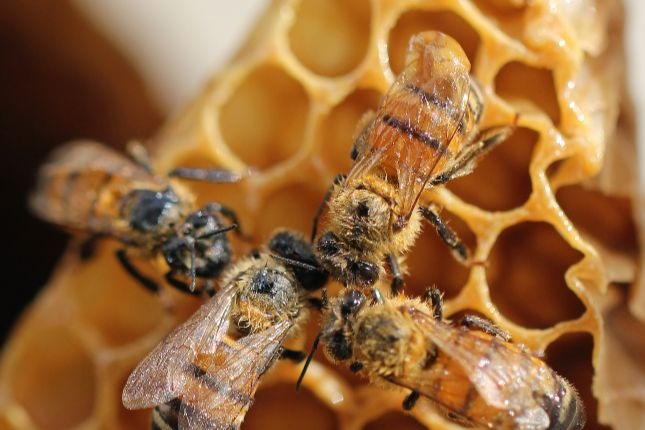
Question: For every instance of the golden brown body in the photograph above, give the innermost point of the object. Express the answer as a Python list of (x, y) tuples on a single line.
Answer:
[(87, 186), (205, 373), (475, 378), (424, 133)]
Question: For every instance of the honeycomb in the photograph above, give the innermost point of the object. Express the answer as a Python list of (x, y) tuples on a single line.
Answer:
[(552, 211)]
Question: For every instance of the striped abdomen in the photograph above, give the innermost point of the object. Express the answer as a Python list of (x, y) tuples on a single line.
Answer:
[(85, 186)]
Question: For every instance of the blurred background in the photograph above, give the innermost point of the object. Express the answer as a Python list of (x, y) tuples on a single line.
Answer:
[(112, 70)]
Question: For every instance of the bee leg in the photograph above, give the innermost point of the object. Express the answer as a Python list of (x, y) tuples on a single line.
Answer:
[(293, 355), (482, 324), (465, 161), (87, 247), (410, 400), (231, 215), (397, 277), (433, 296), (217, 176), (181, 285), (361, 132), (355, 367), (146, 282), (446, 234), (314, 229), (315, 303)]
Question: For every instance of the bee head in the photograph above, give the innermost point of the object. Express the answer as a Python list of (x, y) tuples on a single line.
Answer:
[(293, 246), (268, 292), (336, 332), (150, 211), (200, 244), (344, 263), (360, 215)]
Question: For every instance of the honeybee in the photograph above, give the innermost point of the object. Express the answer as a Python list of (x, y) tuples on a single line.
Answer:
[(424, 134), (87, 187), (205, 373), (471, 371)]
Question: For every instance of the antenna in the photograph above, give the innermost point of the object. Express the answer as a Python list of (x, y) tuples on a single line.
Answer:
[(314, 346), (193, 269), (296, 263), (218, 231)]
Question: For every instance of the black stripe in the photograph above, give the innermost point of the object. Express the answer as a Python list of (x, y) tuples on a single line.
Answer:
[(411, 131), (211, 422), (426, 96), (566, 415), (431, 98), (232, 394)]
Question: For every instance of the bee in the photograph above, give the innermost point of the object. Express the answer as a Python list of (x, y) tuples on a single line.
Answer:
[(424, 134), (205, 373), (472, 371), (89, 188)]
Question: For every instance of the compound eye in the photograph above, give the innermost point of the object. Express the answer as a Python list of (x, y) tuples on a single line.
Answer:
[(362, 209), (365, 273), (352, 301), (328, 244)]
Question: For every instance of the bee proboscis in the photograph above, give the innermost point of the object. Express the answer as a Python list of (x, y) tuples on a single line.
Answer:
[(89, 188), (472, 372), (425, 133), (205, 372)]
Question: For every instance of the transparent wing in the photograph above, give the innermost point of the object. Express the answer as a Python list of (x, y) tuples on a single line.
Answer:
[(220, 398), (417, 120), (72, 181), (164, 373), (502, 374)]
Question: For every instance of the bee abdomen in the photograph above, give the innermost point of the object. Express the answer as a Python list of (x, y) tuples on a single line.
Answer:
[(165, 417), (566, 411)]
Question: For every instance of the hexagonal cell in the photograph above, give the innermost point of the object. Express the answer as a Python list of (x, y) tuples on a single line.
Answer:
[(501, 180), (529, 88), (570, 356), (508, 15), (607, 218), (415, 21), (527, 266), (263, 121), (431, 262), (345, 29), (110, 300), (279, 407), (54, 379), (293, 207), (394, 420), (337, 129)]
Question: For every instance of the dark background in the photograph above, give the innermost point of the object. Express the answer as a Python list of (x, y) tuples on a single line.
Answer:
[(59, 80)]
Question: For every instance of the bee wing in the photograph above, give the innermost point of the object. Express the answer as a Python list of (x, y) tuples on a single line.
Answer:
[(501, 374), (221, 396), (74, 178), (417, 120), (165, 372)]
